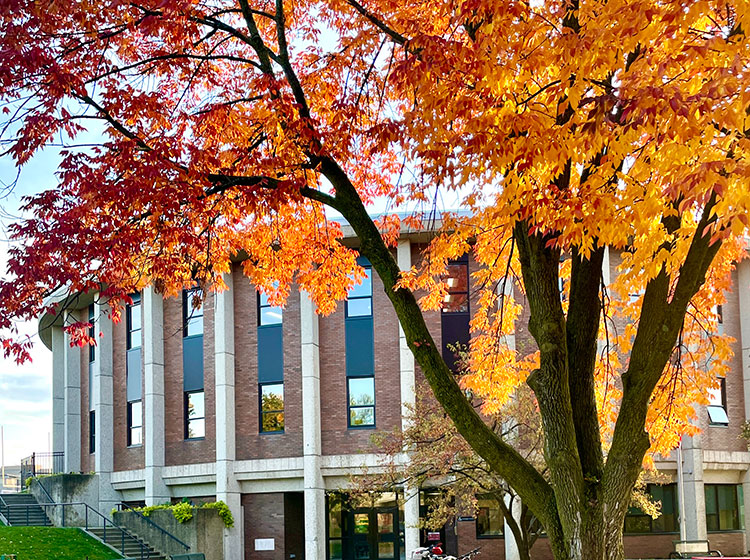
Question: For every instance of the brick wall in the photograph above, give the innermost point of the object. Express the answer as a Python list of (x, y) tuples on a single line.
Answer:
[(251, 444), (337, 438), (178, 450), (492, 548), (264, 519), (125, 458)]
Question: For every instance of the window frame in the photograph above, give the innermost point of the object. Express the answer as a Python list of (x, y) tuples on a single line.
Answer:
[(349, 406), (261, 306), (262, 413), (720, 409), (737, 511), (463, 262), (631, 513), (92, 333), (368, 270), (476, 520), (188, 420), (131, 427), (189, 313), (133, 335), (92, 432)]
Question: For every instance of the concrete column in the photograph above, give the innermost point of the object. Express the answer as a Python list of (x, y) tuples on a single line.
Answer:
[(102, 393), (511, 547), (227, 487), (58, 389), (695, 499), (72, 392), (408, 398), (153, 365), (315, 494), (743, 291)]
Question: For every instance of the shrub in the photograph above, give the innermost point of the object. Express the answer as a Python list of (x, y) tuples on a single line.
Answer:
[(183, 512), (224, 512)]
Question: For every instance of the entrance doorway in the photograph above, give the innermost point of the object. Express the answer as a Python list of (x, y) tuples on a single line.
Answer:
[(358, 533)]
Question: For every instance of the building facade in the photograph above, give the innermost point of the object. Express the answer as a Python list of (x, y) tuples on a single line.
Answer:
[(271, 410)]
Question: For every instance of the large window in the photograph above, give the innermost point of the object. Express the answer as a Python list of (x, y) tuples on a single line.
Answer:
[(192, 312), (92, 431), (490, 521), (134, 323), (271, 407), (195, 415), (359, 301), (267, 313), (723, 507), (636, 521), (135, 423), (717, 408), (92, 334), (361, 396)]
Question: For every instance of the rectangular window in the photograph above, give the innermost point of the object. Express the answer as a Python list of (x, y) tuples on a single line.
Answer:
[(490, 521), (135, 423), (92, 334), (134, 322), (361, 398), (271, 407), (192, 312), (195, 415), (92, 431), (359, 300), (636, 521), (454, 319), (722, 507), (717, 407), (267, 313), (457, 278)]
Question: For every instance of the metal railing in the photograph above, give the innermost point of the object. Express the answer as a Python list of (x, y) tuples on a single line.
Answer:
[(145, 520), (41, 463), (82, 515)]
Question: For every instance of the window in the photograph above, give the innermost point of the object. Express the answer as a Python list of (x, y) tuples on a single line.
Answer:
[(192, 312), (722, 507), (92, 334), (717, 408), (92, 431), (361, 396), (267, 313), (457, 278), (134, 323), (636, 521), (135, 423), (720, 319), (359, 301), (195, 415), (490, 521), (271, 407)]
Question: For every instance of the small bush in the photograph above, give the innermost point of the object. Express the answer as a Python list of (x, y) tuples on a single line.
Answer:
[(183, 512), (224, 512)]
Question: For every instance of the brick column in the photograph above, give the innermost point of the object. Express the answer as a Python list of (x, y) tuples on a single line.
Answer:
[(102, 393), (153, 364), (314, 487), (72, 392), (58, 389), (227, 487)]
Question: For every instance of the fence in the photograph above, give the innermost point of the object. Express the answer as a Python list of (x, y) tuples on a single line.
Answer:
[(41, 463)]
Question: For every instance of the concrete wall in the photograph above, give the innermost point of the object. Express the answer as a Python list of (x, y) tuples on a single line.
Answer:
[(69, 488), (203, 533)]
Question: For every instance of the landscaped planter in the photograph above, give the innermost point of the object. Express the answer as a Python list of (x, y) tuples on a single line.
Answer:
[(203, 533)]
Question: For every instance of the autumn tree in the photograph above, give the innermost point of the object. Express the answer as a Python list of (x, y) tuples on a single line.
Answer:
[(577, 128)]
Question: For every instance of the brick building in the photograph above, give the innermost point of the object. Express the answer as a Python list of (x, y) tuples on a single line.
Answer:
[(270, 410)]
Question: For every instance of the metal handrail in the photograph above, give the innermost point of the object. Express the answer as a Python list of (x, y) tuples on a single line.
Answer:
[(145, 551), (125, 506), (50, 498)]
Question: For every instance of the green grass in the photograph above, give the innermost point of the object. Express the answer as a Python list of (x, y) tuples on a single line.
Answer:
[(50, 543)]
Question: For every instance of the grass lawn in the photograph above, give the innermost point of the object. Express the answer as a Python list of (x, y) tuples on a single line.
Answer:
[(50, 543)]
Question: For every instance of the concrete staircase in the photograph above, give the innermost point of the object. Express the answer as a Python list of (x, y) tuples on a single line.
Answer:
[(127, 546), (22, 510)]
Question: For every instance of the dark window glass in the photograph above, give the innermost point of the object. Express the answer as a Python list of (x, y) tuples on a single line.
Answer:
[(267, 313), (359, 302), (195, 415), (638, 522), (722, 507), (272, 407), (92, 334), (135, 423), (133, 320), (192, 312), (92, 432), (457, 278), (361, 401), (490, 521)]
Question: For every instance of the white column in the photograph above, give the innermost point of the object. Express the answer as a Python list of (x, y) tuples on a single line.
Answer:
[(102, 399), (227, 487), (153, 364), (406, 366), (58, 389), (743, 291), (511, 546), (315, 494), (72, 391), (695, 499)]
